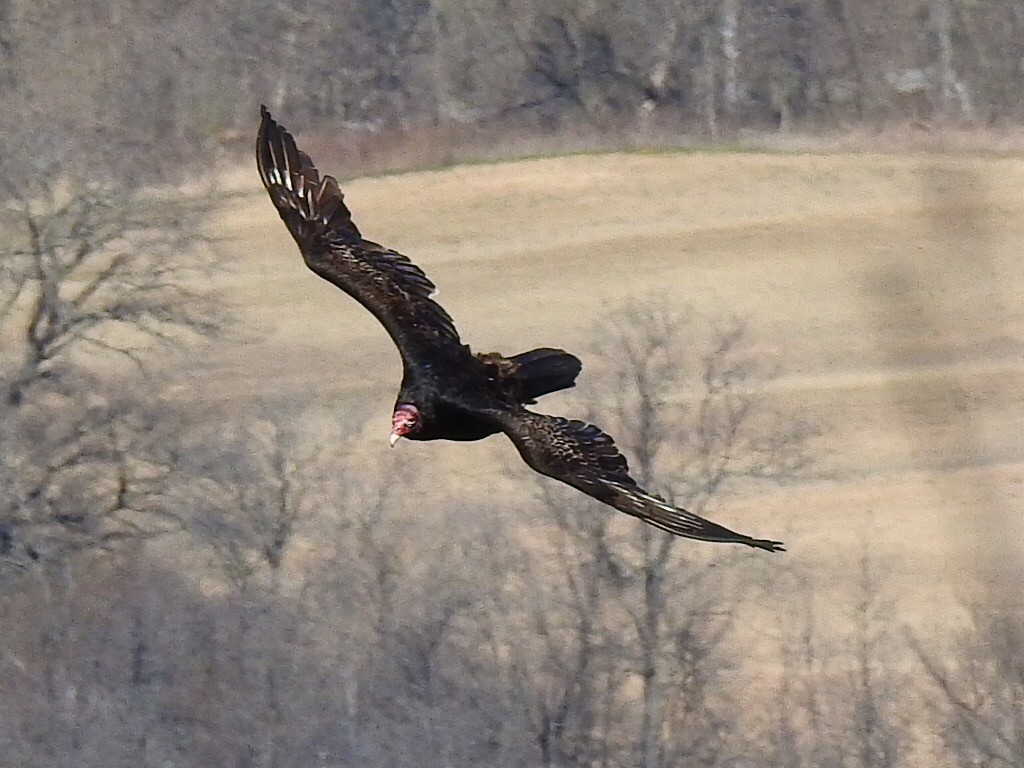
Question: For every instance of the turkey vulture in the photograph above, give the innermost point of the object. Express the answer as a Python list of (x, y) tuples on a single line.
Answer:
[(447, 392)]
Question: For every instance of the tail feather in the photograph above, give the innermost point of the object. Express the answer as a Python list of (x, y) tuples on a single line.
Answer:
[(542, 371)]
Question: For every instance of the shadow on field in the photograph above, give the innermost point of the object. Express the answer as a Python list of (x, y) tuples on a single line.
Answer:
[(915, 295)]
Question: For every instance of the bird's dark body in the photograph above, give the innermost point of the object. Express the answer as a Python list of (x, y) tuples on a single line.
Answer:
[(447, 391), (449, 397), (450, 423), (443, 419)]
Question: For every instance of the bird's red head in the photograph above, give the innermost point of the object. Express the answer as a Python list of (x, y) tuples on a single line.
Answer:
[(404, 421)]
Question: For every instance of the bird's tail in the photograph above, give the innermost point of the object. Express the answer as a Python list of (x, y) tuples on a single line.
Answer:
[(541, 371)]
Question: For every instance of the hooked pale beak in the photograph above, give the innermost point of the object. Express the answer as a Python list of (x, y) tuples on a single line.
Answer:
[(395, 437)]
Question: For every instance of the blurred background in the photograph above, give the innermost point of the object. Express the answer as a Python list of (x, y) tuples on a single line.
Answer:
[(784, 239)]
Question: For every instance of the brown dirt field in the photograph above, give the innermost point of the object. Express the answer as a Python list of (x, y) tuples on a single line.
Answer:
[(886, 288)]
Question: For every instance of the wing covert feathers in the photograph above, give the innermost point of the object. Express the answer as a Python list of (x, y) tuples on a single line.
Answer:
[(586, 458), (384, 281)]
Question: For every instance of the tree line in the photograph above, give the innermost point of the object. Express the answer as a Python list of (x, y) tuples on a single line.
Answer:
[(139, 90)]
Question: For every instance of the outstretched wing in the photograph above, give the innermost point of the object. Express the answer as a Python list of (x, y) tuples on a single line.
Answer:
[(584, 457), (394, 289)]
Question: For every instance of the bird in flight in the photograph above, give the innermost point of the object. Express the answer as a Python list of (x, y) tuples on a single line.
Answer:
[(447, 391)]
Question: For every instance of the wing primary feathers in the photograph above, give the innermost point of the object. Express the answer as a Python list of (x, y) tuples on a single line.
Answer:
[(384, 281), (581, 455), (680, 522), (296, 189)]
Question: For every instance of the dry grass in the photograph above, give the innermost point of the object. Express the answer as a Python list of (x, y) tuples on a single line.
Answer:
[(885, 288)]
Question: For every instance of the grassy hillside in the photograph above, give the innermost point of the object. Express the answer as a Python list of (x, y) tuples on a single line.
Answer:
[(884, 289), (440, 604)]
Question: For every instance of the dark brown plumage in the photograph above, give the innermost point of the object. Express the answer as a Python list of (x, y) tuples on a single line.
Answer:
[(447, 392)]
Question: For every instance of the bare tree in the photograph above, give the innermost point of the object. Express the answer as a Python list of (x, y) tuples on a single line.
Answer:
[(729, 33), (879, 736), (979, 682), (240, 491), (638, 604), (553, 641), (953, 96), (719, 435), (89, 271), (842, 697), (861, 95), (91, 278), (88, 278), (243, 489)]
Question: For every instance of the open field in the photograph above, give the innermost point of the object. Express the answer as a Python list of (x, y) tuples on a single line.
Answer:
[(885, 289), (362, 606)]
